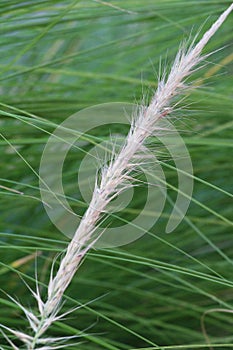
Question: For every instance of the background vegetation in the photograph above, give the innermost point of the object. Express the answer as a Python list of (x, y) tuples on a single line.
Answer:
[(57, 57)]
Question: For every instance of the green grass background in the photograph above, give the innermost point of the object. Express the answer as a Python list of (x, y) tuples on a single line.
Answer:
[(57, 57)]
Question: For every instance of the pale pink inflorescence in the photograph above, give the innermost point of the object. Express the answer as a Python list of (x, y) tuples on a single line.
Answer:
[(112, 182), (117, 172)]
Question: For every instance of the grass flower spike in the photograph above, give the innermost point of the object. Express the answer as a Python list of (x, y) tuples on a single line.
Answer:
[(112, 182)]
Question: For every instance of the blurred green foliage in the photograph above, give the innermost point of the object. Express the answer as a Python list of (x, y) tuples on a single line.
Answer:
[(57, 57)]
